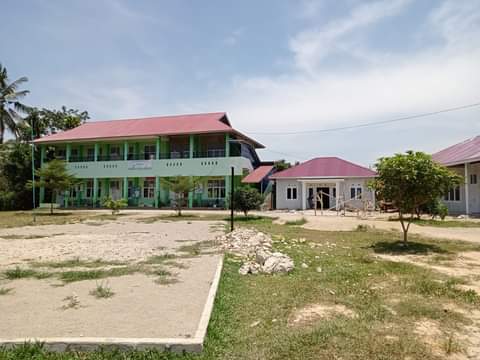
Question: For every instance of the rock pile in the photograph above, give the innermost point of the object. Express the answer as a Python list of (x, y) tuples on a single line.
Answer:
[(256, 248)]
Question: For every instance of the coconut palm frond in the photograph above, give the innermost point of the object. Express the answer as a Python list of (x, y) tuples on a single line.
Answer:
[(18, 106), (14, 85)]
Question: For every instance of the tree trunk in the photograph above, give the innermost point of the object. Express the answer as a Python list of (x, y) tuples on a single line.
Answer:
[(404, 228)]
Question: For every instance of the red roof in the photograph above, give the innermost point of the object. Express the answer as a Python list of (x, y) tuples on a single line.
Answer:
[(149, 127), (328, 167), (258, 174), (464, 152)]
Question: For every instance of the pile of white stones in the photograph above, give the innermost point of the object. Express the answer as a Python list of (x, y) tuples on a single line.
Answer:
[(256, 248)]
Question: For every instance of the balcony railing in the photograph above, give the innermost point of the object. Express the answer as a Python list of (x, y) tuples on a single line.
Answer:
[(209, 153), (185, 154)]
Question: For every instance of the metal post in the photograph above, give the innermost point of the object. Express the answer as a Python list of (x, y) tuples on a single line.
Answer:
[(231, 199), (33, 174)]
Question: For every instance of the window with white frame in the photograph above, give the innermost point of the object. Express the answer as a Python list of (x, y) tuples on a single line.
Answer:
[(291, 193), (453, 194), (473, 179), (149, 188), (356, 192), (216, 189)]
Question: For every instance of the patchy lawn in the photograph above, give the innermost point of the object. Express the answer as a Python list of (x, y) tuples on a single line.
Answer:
[(9, 219), (346, 302)]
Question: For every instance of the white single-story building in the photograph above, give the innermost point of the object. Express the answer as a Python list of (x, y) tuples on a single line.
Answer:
[(338, 182), (464, 159)]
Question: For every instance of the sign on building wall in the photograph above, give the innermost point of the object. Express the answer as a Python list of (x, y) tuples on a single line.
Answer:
[(140, 164)]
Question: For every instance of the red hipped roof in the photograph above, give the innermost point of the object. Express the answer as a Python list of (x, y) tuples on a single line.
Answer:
[(464, 152), (258, 174), (149, 127), (330, 167)]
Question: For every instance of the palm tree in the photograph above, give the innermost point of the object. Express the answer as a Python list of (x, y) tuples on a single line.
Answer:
[(10, 104)]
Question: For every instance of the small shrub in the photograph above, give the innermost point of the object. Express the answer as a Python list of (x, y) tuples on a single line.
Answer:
[(102, 291), (247, 198), (114, 205)]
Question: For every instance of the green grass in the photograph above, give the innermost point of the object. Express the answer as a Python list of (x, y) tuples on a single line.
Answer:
[(388, 297), (9, 219), (20, 273), (76, 262), (160, 259), (80, 275)]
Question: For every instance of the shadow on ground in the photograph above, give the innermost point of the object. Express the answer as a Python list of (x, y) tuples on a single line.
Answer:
[(412, 248)]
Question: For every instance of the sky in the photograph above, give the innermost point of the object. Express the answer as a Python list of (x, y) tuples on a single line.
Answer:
[(272, 65)]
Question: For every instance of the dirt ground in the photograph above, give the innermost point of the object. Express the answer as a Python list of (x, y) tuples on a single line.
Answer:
[(331, 222), (152, 299)]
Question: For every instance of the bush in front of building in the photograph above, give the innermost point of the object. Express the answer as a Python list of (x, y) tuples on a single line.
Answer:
[(114, 205), (246, 198)]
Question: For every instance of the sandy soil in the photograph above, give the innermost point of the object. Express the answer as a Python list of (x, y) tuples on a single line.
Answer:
[(140, 307), (119, 240)]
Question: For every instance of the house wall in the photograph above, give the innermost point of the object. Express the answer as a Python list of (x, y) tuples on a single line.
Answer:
[(459, 207), (344, 190)]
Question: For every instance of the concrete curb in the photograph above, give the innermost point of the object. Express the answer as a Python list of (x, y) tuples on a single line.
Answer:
[(194, 344)]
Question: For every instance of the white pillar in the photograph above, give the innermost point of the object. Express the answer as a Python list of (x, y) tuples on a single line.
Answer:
[(304, 197), (337, 195), (467, 181)]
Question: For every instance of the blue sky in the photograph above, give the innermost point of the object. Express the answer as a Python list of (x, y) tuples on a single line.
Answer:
[(272, 65)]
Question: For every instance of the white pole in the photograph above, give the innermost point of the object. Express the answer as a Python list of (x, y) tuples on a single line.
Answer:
[(302, 192), (467, 207), (337, 195)]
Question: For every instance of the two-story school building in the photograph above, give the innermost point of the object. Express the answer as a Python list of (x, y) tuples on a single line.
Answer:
[(128, 158)]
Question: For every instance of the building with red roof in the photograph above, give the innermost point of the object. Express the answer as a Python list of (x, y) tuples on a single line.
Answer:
[(464, 159), (128, 159), (331, 182)]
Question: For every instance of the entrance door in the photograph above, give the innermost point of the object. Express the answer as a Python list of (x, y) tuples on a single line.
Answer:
[(325, 197), (115, 193)]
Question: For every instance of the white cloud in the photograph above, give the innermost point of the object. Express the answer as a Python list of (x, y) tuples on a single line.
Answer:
[(234, 37), (312, 97), (311, 46)]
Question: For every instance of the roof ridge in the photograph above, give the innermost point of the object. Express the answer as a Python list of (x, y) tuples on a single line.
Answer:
[(157, 116)]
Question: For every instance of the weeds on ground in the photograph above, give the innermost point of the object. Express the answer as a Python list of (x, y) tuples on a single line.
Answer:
[(102, 291), (5, 291), (19, 273), (72, 302)]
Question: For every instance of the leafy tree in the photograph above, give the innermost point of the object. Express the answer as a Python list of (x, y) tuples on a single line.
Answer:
[(10, 104), (55, 177), (246, 198), (15, 171), (410, 181), (281, 165), (46, 122), (181, 186), (114, 205)]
